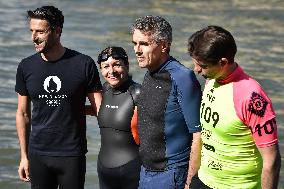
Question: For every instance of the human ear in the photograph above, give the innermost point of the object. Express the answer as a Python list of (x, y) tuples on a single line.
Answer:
[(165, 46), (58, 31), (223, 62)]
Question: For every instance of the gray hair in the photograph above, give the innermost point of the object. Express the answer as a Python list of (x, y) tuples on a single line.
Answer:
[(156, 26)]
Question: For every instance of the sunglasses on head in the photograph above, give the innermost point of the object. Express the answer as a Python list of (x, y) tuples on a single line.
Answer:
[(104, 57)]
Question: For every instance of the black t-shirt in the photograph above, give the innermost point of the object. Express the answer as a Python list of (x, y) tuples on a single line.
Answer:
[(58, 93)]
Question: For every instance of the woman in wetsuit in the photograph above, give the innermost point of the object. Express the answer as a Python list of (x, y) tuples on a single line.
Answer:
[(118, 161)]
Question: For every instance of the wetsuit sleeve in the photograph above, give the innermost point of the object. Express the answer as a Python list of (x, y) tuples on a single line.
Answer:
[(189, 98), (256, 111), (134, 129), (135, 91), (20, 86)]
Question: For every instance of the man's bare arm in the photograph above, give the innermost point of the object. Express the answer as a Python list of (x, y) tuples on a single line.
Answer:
[(95, 100), (271, 166), (195, 156), (23, 117)]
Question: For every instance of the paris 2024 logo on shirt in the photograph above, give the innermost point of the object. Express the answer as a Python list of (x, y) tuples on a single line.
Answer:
[(52, 85)]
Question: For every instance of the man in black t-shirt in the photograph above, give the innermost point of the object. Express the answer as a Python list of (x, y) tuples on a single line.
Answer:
[(56, 80)]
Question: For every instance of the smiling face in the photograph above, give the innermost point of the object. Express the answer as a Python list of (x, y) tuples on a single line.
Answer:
[(149, 54), (114, 71), (42, 35)]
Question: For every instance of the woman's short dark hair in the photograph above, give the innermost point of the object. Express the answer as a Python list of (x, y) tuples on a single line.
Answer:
[(117, 53)]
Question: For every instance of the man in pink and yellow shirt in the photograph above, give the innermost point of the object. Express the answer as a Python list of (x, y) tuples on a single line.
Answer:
[(239, 132)]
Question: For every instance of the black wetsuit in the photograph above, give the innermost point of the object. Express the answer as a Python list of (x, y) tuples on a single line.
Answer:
[(118, 162)]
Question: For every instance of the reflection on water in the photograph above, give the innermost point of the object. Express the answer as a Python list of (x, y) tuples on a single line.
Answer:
[(91, 25)]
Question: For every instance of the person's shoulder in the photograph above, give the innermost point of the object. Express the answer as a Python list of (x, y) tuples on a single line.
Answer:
[(135, 88), (176, 66), (248, 88), (135, 84), (30, 59), (81, 57), (106, 87), (249, 83), (179, 72), (72, 53)]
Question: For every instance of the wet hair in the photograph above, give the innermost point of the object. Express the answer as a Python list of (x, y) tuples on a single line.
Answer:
[(158, 27), (212, 43), (51, 14), (117, 53)]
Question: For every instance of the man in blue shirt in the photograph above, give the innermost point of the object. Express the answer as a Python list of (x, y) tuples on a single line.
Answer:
[(168, 109)]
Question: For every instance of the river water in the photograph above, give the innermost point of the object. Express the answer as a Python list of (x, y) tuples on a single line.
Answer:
[(91, 25)]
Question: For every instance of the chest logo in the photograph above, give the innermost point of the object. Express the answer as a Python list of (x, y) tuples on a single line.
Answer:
[(52, 84), (111, 106)]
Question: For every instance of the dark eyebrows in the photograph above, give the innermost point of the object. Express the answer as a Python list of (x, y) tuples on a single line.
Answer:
[(144, 43), (141, 43)]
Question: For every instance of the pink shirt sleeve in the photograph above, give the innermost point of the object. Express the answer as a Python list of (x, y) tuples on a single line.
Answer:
[(255, 109)]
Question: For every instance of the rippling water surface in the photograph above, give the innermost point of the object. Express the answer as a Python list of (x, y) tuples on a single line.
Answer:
[(91, 25)]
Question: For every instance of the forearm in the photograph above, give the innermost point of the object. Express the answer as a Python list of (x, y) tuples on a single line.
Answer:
[(23, 126), (95, 100), (271, 166), (270, 174), (195, 155), (23, 130), (269, 179)]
